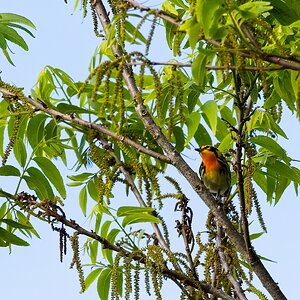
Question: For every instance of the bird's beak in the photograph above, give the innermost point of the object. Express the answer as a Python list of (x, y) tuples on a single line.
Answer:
[(197, 149)]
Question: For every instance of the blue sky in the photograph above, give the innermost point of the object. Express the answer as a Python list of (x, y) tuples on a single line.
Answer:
[(66, 41)]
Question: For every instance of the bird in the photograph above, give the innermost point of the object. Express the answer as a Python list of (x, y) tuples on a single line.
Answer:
[(214, 171)]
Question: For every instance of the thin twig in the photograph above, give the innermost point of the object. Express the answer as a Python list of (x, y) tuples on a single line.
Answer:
[(158, 12), (225, 266), (209, 67)]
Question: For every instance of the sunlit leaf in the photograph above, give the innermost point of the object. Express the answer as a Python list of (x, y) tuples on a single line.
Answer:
[(103, 284), (8, 170), (92, 277), (52, 173)]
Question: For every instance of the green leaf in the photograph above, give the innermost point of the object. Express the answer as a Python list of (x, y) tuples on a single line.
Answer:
[(94, 251), (108, 253), (39, 183), (210, 109), (253, 9), (13, 36), (52, 173), (92, 277), (103, 284), (135, 214), (285, 91), (92, 190), (179, 137), (132, 210), (192, 123), (69, 108), (201, 136), (14, 18), (139, 218), (285, 11), (192, 100), (80, 177), (10, 238), (272, 146), (284, 170), (35, 129), (20, 152), (199, 69), (226, 143), (83, 200), (254, 236), (208, 14), (104, 228), (8, 170), (15, 224), (260, 180)]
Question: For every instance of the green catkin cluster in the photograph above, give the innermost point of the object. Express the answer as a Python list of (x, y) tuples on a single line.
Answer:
[(249, 187), (201, 249), (18, 103), (121, 8), (165, 231), (12, 137), (76, 260), (258, 211), (128, 277), (263, 77), (171, 110), (264, 31), (106, 93), (151, 33), (108, 173), (147, 280), (115, 276), (179, 98), (136, 281), (95, 20), (137, 56), (176, 43), (84, 7), (255, 291), (155, 262)]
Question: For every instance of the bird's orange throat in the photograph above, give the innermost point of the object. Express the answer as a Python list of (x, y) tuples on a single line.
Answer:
[(210, 161)]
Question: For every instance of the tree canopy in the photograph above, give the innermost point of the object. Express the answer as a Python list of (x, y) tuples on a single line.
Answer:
[(121, 133)]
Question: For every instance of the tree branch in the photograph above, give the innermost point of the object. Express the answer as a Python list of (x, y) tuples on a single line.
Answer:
[(182, 166), (72, 119), (210, 67), (158, 12), (225, 266), (283, 62), (48, 210), (135, 191)]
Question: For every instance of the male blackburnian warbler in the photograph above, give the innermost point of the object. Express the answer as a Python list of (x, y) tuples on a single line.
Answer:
[(214, 171)]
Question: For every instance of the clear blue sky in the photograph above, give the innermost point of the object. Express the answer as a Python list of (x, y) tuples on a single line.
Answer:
[(66, 41)]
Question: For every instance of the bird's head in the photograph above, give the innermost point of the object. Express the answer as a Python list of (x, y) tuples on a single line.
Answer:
[(208, 151)]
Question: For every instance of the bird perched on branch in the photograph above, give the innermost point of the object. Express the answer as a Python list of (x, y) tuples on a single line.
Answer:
[(214, 171)]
